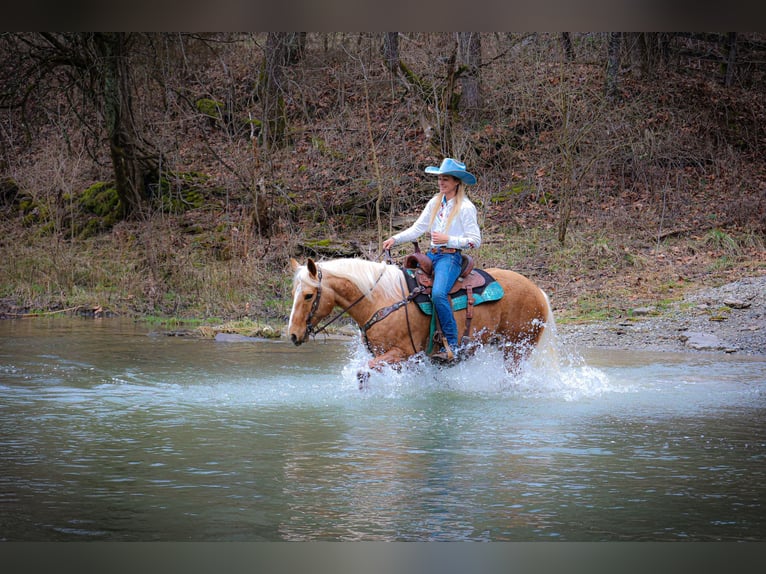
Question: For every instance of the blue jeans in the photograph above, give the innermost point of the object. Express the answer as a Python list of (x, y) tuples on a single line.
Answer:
[(446, 271)]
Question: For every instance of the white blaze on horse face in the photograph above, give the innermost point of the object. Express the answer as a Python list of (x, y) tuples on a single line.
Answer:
[(298, 291)]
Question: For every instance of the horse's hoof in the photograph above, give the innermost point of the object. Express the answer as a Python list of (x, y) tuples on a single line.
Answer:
[(363, 378)]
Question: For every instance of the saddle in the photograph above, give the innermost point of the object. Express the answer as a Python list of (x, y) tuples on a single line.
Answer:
[(424, 273), (421, 270)]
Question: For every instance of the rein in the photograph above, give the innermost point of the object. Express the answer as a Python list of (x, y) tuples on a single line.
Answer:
[(378, 316), (310, 329)]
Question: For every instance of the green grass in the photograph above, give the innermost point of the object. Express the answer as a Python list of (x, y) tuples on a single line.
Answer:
[(160, 275), (722, 241), (592, 307)]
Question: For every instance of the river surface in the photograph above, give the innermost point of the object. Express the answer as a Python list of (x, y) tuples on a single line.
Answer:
[(111, 432)]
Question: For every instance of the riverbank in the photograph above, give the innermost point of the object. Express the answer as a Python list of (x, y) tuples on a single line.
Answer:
[(726, 319)]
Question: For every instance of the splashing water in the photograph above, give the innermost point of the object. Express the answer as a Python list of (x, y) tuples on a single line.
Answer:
[(544, 374)]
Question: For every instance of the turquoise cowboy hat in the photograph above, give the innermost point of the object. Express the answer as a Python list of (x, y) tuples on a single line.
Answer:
[(454, 168)]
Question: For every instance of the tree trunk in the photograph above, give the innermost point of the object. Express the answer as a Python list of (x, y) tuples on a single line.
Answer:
[(613, 66), (469, 46), (639, 54), (565, 214), (295, 45), (274, 123), (566, 42), (448, 106), (134, 163), (665, 38), (391, 51), (731, 59)]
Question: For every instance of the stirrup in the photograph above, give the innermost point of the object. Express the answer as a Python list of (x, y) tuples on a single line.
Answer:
[(445, 358)]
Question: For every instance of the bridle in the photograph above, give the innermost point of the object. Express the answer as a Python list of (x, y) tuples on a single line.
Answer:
[(376, 317), (314, 307), (311, 330)]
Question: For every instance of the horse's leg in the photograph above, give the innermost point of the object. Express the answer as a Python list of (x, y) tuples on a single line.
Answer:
[(514, 354), (392, 357), (363, 378)]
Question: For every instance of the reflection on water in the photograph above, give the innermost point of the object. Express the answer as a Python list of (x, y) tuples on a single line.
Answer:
[(108, 432)]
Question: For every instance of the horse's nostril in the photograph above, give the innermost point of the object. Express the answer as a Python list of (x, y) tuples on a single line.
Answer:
[(294, 339)]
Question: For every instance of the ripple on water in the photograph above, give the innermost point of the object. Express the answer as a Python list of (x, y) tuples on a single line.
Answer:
[(146, 439)]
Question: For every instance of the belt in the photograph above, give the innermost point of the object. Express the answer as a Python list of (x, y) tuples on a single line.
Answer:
[(443, 250)]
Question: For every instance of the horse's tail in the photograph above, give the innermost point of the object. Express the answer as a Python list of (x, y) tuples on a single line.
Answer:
[(550, 321), (546, 350)]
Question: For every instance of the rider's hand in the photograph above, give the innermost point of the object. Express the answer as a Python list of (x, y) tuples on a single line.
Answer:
[(389, 243), (438, 238)]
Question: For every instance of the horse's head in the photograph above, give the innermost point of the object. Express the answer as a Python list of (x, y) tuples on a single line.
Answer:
[(309, 307)]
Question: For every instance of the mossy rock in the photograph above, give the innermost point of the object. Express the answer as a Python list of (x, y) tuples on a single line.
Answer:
[(101, 199), (182, 201), (92, 227), (246, 328), (509, 193), (178, 192), (9, 191), (31, 210), (210, 108), (101, 207)]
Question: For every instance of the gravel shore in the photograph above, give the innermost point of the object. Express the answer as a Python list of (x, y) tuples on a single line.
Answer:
[(726, 319)]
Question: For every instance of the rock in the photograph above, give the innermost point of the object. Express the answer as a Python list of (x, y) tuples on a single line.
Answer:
[(673, 327), (234, 338), (705, 342), (643, 311), (736, 303)]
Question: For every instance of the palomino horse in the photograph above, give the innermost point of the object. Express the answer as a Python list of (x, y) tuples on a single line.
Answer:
[(362, 289)]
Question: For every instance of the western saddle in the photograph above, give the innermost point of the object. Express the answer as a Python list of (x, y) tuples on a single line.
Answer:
[(468, 280), (423, 266)]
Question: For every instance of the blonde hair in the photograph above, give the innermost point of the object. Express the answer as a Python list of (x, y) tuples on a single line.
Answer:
[(461, 193)]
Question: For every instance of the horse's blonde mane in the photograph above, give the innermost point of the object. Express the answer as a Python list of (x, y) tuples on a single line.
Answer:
[(362, 273)]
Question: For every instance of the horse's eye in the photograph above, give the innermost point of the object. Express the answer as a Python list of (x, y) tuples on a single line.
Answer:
[(307, 297)]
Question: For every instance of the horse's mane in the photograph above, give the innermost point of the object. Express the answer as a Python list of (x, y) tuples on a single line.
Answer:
[(363, 274)]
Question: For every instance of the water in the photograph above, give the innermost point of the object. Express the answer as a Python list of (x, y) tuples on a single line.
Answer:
[(109, 432)]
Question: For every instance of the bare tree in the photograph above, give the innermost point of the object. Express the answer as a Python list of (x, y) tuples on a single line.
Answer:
[(731, 59), (134, 160), (613, 66), (448, 107), (272, 88), (469, 48), (390, 50), (566, 43), (99, 66)]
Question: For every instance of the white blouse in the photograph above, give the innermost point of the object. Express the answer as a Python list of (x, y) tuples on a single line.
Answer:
[(464, 232)]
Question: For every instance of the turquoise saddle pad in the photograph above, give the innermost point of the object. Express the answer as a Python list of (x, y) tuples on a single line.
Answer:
[(492, 291)]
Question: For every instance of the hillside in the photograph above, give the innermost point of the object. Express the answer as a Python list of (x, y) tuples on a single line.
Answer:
[(607, 204)]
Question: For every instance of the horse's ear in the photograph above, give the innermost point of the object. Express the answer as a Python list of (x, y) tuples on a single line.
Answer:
[(312, 267), (294, 264)]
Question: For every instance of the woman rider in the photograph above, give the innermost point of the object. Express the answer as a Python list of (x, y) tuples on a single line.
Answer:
[(450, 220)]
